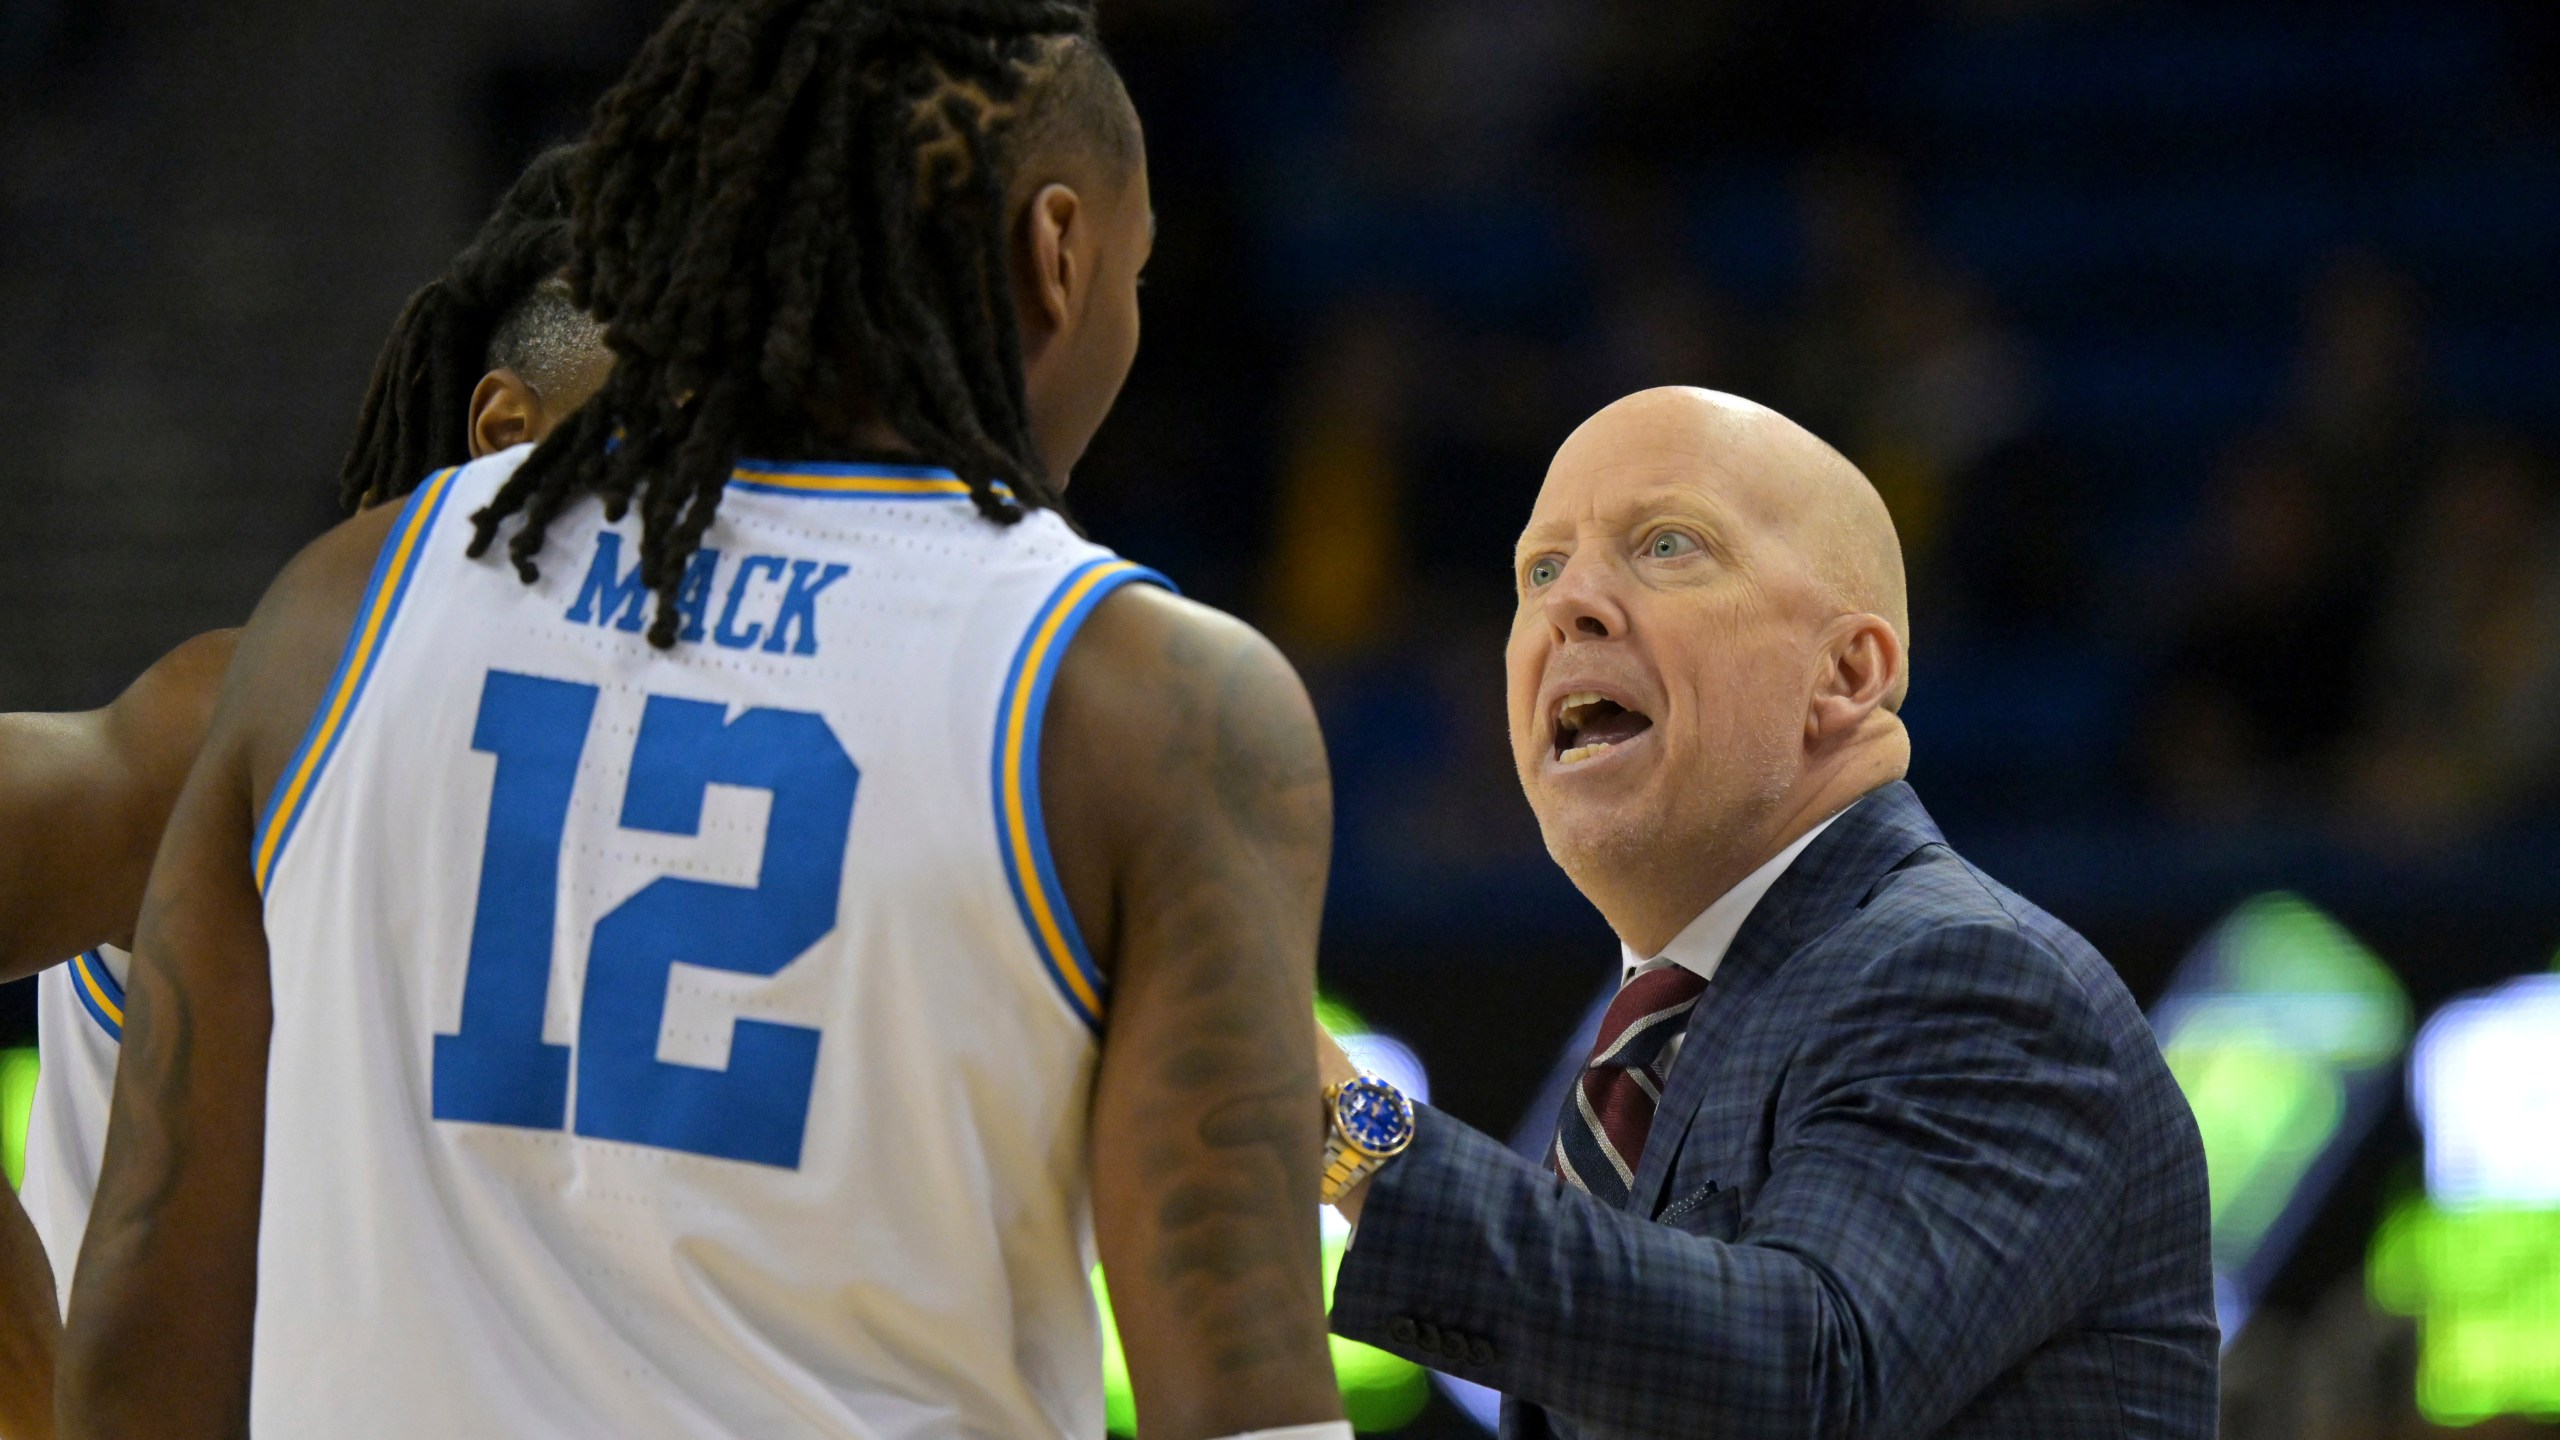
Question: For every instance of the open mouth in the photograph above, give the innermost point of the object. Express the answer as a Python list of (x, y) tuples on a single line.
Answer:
[(1587, 724)]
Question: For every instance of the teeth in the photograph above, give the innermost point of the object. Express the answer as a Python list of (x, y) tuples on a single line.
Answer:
[(1578, 698), (1580, 753)]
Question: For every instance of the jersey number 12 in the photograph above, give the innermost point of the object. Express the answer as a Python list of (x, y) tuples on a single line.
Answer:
[(498, 1070)]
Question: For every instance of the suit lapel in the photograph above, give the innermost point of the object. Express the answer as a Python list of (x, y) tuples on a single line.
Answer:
[(1833, 876), (1759, 948)]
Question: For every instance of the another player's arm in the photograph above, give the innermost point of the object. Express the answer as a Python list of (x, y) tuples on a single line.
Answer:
[(1191, 813), (30, 1326), (82, 800), (158, 1342)]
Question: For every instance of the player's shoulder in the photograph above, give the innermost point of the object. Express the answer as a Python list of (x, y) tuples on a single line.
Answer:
[(1185, 667), (340, 560), (296, 637), (331, 574), (1165, 694), (1143, 623)]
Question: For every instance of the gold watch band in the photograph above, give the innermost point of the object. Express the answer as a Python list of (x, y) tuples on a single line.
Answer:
[(1344, 1168)]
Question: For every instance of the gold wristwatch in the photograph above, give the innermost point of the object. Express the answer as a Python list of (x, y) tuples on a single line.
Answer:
[(1372, 1124)]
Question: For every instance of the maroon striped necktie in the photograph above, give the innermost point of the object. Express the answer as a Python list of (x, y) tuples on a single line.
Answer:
[(1600, 1137)]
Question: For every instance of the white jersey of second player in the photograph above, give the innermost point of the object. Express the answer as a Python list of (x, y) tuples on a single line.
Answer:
[(79, 1034), (687, 1043)]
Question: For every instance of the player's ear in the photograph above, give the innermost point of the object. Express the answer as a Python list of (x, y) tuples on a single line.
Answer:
[(505, 412), (1054, 269)]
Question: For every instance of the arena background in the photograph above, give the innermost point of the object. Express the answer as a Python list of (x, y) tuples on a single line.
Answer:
[(2208, 354)]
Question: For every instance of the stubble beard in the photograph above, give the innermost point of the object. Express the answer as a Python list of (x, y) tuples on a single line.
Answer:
[(1631, 844)]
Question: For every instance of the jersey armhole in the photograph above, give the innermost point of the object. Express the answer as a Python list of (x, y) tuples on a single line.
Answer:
[(99, 993), (392, 571), (1020, 830)]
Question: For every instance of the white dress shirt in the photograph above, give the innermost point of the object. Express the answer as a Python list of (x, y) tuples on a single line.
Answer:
[(1700, 947)]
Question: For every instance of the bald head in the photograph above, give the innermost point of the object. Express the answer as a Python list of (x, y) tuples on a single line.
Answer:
[(1776, 475), (1709, 653)]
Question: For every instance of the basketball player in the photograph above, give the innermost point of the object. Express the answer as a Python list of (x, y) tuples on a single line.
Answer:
[(82, 801), (718, 1030), (83, 797)]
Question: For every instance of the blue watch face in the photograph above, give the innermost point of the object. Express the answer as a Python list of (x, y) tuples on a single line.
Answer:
[(1375, 1115)]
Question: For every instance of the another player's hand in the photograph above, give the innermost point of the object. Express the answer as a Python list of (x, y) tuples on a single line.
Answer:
[(1334, 1067)]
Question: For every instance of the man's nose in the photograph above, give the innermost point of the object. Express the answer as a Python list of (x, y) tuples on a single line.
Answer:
[(1582, 603)]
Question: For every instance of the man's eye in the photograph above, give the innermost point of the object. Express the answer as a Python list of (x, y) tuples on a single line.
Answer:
[(1544, 572), (1670, 544)]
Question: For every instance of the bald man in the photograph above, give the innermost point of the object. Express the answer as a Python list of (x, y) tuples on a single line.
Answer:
[(1867, 1144)]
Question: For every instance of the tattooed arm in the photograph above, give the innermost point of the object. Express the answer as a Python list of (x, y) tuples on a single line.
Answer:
[(82, 800), (1191, 813), (158, 1340)]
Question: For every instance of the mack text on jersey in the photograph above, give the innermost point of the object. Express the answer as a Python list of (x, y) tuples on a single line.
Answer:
[(763, 602)]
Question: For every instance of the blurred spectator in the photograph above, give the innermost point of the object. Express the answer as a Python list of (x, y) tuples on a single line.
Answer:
[(2345, 1371), (2260, 682), (2364, 414), (1457, 94), (1492, 419), (2018, 566), (2261, 1381), (2305, 603), (2464, 689), (1656, 320), (2357, 1371), (1682, 82), (1338, 572), (1897, 357)]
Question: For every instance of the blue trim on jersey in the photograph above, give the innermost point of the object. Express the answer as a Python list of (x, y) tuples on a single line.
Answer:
[(1021, 831), (99, 993), (393, 570)]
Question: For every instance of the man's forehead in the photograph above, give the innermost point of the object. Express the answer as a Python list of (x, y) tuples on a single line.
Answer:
[(1627, 488)]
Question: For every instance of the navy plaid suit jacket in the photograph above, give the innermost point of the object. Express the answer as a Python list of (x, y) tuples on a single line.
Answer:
[(1919, 1171)]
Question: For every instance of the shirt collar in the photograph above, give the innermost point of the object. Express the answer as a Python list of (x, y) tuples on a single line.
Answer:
[(1700, 947)]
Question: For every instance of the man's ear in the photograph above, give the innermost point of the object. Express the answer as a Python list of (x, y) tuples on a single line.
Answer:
[(1862, 672), (505, 412), (1055, 271)]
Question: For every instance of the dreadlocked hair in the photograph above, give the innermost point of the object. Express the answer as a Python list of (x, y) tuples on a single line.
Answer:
[(791, 218), (415, 418)]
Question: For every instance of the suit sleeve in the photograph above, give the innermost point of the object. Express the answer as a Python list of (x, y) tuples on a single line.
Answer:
[(1940, 1192)]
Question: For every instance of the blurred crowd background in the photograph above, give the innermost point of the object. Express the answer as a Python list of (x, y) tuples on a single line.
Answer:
[(2207, 354)]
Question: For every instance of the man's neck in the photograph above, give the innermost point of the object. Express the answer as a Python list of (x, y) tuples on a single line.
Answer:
[(1649, 914)]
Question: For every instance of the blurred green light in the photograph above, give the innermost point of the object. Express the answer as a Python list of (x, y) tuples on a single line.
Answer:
[(2484, 1284), (17, 1102), (2291, 1010), (2264, 1114), (1338, 1017), (2340, 1000)]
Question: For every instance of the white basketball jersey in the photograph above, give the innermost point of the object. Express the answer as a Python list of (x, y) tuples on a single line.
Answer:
[(685, 1043), (79, 1035)]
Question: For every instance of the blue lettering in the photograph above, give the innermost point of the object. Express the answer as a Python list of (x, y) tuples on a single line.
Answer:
[(693, 598), (607, 589), (800, 603), (727, 631), (611, 595)]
